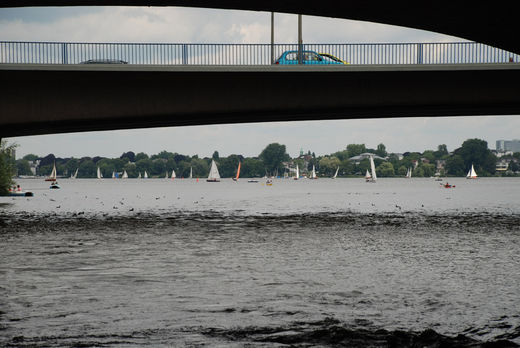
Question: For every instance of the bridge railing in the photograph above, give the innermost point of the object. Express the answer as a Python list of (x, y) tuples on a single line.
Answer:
[(248, 54)]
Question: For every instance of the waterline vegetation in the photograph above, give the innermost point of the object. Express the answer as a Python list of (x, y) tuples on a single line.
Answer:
[(274, 161)]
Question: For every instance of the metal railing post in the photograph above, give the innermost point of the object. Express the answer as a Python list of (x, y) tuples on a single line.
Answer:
[(184, 54), (419, 53), (64, 58)]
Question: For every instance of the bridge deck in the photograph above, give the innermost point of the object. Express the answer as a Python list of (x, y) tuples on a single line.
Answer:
[(42, 99)]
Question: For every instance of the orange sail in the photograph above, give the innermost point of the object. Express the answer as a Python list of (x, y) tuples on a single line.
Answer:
[(238, 170)]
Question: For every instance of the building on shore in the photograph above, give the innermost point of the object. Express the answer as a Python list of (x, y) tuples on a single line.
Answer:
[(508, 145)]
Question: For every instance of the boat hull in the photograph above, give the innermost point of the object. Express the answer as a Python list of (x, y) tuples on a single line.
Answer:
[(212, 180), (20, 194)]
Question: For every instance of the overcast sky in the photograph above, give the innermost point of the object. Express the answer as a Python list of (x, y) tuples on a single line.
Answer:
[(186, 25)]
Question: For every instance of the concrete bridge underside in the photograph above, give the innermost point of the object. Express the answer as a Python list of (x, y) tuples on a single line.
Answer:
[(52, 99)]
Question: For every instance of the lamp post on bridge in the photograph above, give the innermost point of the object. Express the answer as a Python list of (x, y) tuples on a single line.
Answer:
[(272, 37), (300, 40)]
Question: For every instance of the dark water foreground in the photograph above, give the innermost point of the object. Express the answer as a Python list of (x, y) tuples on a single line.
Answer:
[(235, 280)]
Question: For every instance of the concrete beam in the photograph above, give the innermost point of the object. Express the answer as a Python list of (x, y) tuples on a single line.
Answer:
[(46, 99)]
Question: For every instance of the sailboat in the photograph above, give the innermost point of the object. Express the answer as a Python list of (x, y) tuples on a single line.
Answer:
[(373, 176), (75, 175), (173, 174), (113, 175), (145, 175), (125, 175), (99, 175), (53, 175), (335, 174), (368, 177), (297, 173), (472, 174), (213, 176), (191, 172), (139, 176), (238, 172), (409, 173), (313, 174)]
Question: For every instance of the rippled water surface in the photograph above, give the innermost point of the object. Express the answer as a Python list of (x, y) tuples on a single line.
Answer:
[(300, 263)]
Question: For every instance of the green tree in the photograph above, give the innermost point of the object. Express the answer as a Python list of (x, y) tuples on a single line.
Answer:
[(6, 166), (381, 150), (418, 172), (23, 167), (428, 169), (328, 165), (200, 167), (475, 152), (442, 150), (87, 169), (71, 166), (131, 171), (429, 155), (273, 156), (455, 166), (30, 157), (356, 149), (129, 156), (140, 156), (385, 169), (252, 168), (144, 164), (347, 167)]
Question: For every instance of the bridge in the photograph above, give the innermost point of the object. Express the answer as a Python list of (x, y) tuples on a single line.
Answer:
[(52, 98), (14, 52)]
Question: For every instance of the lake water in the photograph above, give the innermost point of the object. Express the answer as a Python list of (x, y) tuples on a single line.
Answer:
[(303, 263)]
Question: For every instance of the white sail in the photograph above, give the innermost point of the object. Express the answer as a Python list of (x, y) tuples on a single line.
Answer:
[(297, 173), (313, 174), (145, 175), (173, 174), (409, 173), (139, 176), (53, 175), (191, 172), (472, 174), (125, 175), (113, 175), (99, 175), (75, 175), (367, 175), (213, 172), (336, 174), (373, 169)]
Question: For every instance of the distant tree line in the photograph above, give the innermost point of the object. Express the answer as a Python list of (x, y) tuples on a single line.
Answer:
[(274, 160)]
